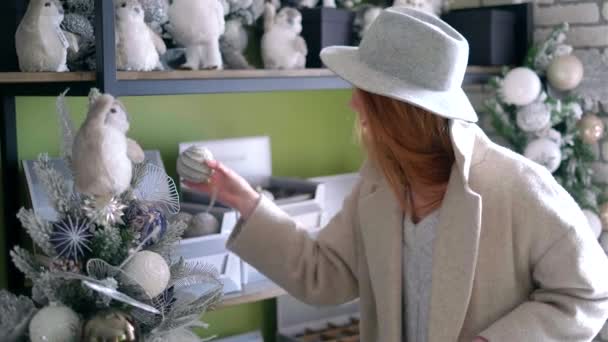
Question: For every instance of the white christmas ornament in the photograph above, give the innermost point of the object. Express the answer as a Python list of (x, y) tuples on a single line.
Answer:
[(137, 46), (40, 42), (594, 222), (565, 72), (282, 45), (150, 271), (198, 25), (191, 164), (202, 224), (55, 323), (534, 117), (520, 87), (544, 152)]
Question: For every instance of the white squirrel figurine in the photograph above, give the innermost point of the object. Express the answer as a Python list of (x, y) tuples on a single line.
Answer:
[(137, 45), (198, 25), (102, 155), (40, 42), (282, 45)]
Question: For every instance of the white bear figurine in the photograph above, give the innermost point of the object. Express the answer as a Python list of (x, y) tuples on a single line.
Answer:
[(40, 42), (198, 25), (282, 45), (102, 155), (137, 45)]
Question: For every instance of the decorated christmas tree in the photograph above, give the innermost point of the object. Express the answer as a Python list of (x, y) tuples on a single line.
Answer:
[(105, 268), (537, 111)]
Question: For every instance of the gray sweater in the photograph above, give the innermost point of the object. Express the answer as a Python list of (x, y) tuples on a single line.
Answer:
[(418, 261)]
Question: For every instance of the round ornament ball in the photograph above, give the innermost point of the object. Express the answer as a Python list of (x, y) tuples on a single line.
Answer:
[(591, 128), (147, 221), (520, 87), (533, 117), (545, 152), (55, 323), (191, 164), (202, 224), (150, 271), (565, 72), (112, 325), (594, 222)]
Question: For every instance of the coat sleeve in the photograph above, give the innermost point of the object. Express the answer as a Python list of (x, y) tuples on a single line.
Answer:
[(570, 271), (321, 271)]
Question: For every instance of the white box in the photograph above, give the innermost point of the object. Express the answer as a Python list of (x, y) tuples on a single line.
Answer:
[(211, 249), (249, 337)]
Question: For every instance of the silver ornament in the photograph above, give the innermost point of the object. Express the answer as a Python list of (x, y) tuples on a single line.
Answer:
[(55, 323), (150, 271), (202, 224), (14, 316), (544, 152), (534, 117), (104, 214), (71, 237), (191, 164)]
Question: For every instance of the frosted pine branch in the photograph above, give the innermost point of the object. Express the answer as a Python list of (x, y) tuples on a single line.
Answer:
[(56, 187), (25, 262), (39, 230)]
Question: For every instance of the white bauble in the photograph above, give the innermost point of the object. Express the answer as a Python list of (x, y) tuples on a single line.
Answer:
[(565, 72), (594, 222), (150, 271), (544, 152), (521, 86), (55, 323), (202, 224), (191, 164), (533, 117)]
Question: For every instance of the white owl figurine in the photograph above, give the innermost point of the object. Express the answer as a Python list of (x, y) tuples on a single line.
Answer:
[(137, 45), (282, 45), (198, 25), (40, 42), (102, 155)]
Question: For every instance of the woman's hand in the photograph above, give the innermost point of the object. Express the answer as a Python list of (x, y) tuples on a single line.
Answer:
[(231, 188)]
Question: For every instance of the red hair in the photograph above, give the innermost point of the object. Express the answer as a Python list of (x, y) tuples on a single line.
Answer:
[(411, 146)]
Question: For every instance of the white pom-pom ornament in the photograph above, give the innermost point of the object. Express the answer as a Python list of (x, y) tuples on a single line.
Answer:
[(594, 222), (202, 224), (150, 271), (55, 323), (191, 164), (534, 117), (545, 152), (565, 72), (521, 86)]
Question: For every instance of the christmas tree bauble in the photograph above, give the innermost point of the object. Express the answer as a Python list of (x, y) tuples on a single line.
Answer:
[(591, 128), (594, 222), (146, 221), (565, 72), (520, 87), (150, 271), (191, 164), (202, 224), (112, 325), (533, 117), (55, 323), (545, 152)]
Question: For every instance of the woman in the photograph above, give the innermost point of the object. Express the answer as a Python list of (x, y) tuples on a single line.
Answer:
[(447, 236)]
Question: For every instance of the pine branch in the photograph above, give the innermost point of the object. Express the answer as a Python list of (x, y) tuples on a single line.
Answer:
[(55, 185), (39, 230), (25, 262)]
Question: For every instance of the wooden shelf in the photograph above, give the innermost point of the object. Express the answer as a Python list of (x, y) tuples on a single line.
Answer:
[(46, 77), (221, 74), (251, 293)]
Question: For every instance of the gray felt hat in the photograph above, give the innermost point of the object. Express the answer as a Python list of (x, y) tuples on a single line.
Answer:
[(410, 56)]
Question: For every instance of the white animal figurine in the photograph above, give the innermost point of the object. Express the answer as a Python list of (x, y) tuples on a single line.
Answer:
[(102, 155), (282, 45), (364, 17), (137, 45), (40, 42), (198, 25), (434, 7)]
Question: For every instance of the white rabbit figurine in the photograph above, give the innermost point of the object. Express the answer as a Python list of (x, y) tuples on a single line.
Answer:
[(137, 45), (40, 42), (198, 25), (282, 45), (102, 154)]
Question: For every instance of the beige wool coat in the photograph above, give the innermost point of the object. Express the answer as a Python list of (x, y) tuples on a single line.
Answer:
[(514, 258)]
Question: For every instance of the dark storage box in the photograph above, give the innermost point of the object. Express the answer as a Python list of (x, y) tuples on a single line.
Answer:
[(323, 27), (498, 35)]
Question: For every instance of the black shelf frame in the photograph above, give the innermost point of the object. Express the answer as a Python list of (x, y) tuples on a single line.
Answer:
[(11, 12)]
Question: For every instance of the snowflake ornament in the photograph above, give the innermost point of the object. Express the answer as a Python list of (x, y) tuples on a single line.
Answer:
[(71, 238), (106, 214)]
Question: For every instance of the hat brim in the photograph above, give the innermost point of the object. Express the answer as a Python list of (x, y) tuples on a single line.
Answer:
[(346, 63)]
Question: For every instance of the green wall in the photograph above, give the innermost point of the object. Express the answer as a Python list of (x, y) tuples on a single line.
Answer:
[(311, 134)]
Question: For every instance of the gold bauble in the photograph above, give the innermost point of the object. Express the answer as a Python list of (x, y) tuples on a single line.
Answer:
[(565, 72), (111, 326), (591, 128)]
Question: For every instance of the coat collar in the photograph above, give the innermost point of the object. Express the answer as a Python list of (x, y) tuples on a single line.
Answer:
[(455, 246)]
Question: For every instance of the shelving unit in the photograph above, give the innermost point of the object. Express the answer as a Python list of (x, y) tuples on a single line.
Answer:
[(107, 79), (253, 292)]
